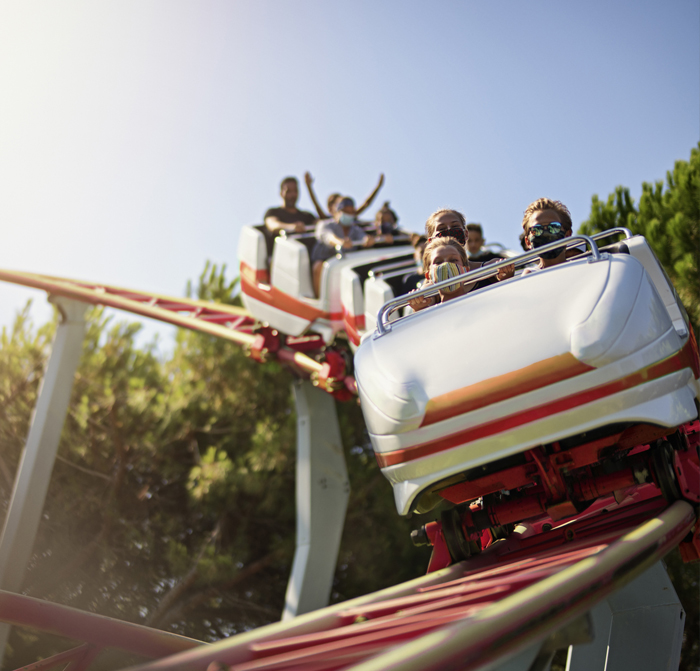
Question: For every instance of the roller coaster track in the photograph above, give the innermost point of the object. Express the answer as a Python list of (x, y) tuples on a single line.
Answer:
[(224, 321), (524, 591), (467, 616)]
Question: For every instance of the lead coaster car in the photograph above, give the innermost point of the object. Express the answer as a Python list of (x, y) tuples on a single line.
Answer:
[(533, 397)]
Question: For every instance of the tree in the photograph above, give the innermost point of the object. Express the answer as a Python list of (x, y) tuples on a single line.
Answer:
[(172, 498), (669, 218)]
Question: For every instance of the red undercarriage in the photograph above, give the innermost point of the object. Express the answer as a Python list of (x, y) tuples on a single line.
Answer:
[(555, 484)]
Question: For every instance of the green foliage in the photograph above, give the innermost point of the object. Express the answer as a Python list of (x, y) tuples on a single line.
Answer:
[(669, 218), (172, 498), (22, 356)]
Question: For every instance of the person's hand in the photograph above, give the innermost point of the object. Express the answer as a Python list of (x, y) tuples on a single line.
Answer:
[(389, 239), (308, 178), (368, 241), (421, 302), (381, 180), (348, 243), (299, 227), (506, 272)]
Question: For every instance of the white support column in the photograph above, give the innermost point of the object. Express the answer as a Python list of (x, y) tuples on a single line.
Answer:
[(36, 463), (639, 627), (322, 491)]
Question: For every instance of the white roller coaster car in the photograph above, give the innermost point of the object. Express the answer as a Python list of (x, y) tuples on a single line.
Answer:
[(354, 285), (537, 394)]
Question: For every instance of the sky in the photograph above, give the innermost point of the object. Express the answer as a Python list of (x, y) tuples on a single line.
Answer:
[(137, 137)]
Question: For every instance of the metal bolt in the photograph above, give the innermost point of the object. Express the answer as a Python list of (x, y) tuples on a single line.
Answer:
[(419, 537)]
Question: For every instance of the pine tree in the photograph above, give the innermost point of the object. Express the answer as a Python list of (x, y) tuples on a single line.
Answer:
[(668, 216), (171, 502)]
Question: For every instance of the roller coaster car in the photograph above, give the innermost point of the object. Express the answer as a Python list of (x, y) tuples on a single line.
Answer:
[(537, 395), (354, 285)]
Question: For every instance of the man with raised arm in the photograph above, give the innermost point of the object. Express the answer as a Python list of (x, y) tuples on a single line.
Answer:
[(288, 217), (335, 197)]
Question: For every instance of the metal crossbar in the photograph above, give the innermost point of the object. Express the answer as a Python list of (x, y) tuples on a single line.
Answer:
[(485, 272)]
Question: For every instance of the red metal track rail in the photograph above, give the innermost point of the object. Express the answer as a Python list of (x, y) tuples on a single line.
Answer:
[(97, 631), (464, 616), (471, 613), (217, 319)]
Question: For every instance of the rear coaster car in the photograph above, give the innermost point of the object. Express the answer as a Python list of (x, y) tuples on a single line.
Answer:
[(280, 293), (540, 393)]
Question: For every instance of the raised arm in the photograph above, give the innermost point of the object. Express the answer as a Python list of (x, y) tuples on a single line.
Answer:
[(309, 185), (371, 196)]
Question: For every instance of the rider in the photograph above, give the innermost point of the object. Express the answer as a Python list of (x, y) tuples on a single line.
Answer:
[(335, 197), (444, 258), (475, 245), (288, 217), (446, 223), (546, 221), (386, 221), (341, 231)]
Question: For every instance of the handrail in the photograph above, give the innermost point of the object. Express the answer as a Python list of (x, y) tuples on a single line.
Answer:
[(613, 231), (394, 273), (388, 267), (481, 273), (340, 251), (308, 233)]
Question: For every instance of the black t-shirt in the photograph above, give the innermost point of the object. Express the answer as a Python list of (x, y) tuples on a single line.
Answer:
[(289, 217)]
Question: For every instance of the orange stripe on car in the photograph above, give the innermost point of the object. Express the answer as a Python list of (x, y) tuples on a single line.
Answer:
[(481, 394), (684, 358), (278, 299)]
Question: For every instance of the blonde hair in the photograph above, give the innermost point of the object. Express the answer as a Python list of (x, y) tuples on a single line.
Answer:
[(547, 204), (443, 242), (431, 223)]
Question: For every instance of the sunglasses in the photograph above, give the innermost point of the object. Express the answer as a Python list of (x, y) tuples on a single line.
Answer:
[(540, 229), (454, 232)]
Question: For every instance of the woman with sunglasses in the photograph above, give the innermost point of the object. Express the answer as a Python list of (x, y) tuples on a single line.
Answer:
[(546, 221)]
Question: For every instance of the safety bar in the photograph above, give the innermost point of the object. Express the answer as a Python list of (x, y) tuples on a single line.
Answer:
[(340, 250), (394, 273), (613, 231), (498, 248), (309, 233), (388, 267), (481, 273)]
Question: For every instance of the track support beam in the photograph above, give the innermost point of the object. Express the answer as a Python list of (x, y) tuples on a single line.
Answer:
[(38, 456), (639, 627), (322, 491)]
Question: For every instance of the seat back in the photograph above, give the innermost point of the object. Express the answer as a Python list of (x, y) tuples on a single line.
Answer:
[(377, 292), (353, 304), (252, 249), (291, 269)]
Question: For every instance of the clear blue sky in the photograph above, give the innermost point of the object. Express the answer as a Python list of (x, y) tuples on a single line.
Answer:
[(138, 136)]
